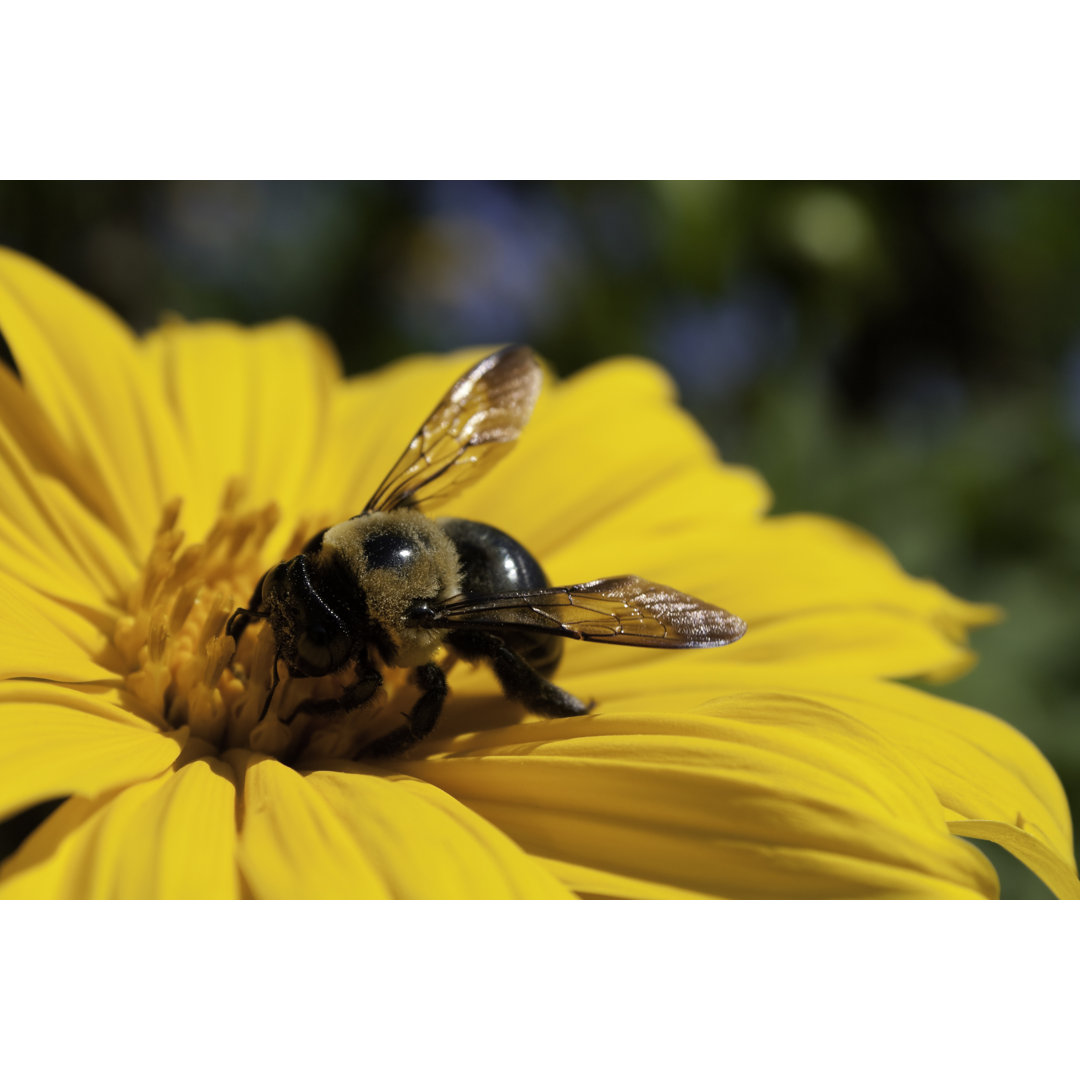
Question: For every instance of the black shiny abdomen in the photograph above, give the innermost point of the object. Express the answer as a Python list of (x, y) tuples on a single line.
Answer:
[(492, 562)]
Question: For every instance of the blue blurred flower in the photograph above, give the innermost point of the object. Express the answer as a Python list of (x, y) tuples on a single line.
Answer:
[(715, 347), (487, 263)]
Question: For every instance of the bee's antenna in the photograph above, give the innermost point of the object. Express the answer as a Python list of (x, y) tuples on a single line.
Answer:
[(273, 686), (239, 621)]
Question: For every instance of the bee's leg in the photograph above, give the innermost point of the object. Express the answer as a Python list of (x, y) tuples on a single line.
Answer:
[(419, 720), (518, 680), (368, 681), (275, 677)]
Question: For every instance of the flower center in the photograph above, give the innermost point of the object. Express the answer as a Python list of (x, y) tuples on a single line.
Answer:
[(177, 658)]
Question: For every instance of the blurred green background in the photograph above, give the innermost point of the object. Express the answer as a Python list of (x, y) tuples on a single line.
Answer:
[(905, 356)]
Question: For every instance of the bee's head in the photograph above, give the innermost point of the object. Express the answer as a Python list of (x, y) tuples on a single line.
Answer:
[(312, 634)]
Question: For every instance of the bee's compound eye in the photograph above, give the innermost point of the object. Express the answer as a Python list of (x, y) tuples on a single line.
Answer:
[(385, 551)]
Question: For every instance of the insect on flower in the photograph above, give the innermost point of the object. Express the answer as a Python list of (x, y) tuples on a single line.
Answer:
[(391, 585)]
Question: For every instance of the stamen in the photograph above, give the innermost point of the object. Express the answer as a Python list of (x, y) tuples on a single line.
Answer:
[(172, 637), (182, 605), (235, 490)]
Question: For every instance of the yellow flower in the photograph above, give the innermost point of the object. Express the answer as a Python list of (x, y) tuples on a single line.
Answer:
[(786, 765)]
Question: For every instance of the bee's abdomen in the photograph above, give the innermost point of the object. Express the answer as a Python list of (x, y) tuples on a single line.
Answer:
[(492, 562)]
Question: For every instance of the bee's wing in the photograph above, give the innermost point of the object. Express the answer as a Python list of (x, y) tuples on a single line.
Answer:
[(471, 428), (617, 611)]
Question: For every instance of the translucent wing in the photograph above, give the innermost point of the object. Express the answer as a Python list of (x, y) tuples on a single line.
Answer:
[(617, 611), (473, 426)]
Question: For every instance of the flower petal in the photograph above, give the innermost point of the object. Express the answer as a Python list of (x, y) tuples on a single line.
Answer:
[(56, 741), (588, 881), (371, 425), (42, 639), (251, 404), (813, 591), (51, 540), (563, 496), (584, 420), (979, 767), (768, 796), (858, 641), (668, 530), (31, 439), (173, 837), (805, 562), (1034, 853), (79, 363), (352, 833)]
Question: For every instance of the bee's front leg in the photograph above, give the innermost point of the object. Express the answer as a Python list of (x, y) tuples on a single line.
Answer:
[(360, 692)]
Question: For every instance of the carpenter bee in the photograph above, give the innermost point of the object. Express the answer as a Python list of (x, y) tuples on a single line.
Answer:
[(391, 585)]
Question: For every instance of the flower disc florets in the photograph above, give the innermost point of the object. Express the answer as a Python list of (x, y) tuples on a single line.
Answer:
[(178, 659)]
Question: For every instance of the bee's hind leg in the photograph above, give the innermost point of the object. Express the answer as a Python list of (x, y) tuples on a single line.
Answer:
[(518, 680), (419, 720)]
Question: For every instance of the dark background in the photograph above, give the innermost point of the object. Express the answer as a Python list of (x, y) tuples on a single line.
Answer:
[(905, 356)]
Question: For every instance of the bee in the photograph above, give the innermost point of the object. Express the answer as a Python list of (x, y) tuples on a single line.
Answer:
[(392, 586)]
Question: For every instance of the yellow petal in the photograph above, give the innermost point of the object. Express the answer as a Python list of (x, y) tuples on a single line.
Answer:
[(805, 562), (56, 741), (812, 590), (41, 451), (371, 425), (978, 766), (1035, 854), (589, 882), (251, 404), (79, 363), (51, 540), (426, 843), (556, 503), (768, 796), (42, 639), (53, 514), (358, 834), (857, 641), (173, 837), (667, 531), (554, 485), (111, 701)]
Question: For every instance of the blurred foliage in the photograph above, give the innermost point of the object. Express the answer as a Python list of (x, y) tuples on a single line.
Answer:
[(905, 356)]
